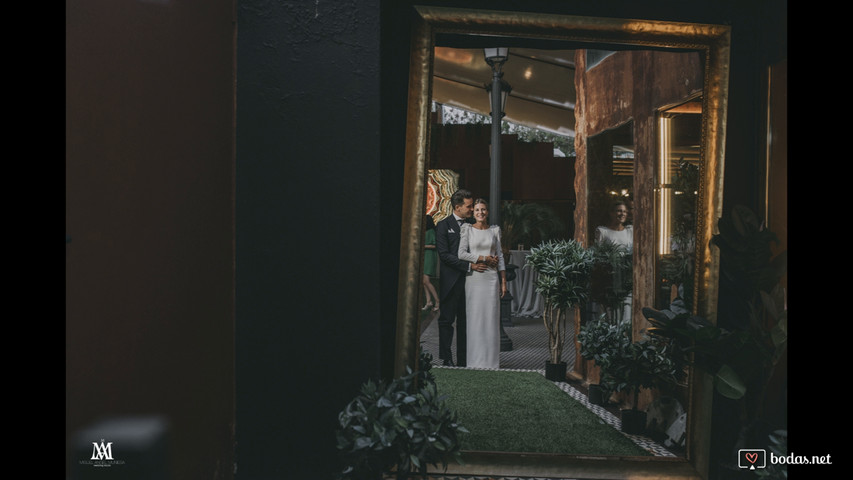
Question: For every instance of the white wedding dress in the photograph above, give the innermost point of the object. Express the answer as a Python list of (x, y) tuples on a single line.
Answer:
[(623, 237), (482, 296)]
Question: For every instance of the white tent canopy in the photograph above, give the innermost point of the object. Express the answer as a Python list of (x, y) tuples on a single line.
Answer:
[(543, 87)]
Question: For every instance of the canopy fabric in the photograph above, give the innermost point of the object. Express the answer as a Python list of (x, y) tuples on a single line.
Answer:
[(543, 87)]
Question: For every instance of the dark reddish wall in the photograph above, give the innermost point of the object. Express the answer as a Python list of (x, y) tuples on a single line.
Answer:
[(150, 217), (529, 170)]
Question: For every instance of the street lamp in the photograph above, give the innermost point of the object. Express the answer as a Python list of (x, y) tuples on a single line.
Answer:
[(496, 56), (505, 89), (498, 91)]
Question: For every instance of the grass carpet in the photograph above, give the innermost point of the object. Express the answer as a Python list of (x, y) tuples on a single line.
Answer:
[(508, 411)]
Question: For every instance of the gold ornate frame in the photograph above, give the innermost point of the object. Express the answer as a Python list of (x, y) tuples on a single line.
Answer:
[(714, 41)]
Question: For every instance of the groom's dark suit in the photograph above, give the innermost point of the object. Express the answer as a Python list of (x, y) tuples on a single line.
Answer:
[(451, 290)]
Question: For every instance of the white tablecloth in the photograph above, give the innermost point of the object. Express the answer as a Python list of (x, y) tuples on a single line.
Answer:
[(525, 301)]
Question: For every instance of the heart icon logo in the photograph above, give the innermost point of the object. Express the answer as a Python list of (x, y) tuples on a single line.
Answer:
[(751, 457)]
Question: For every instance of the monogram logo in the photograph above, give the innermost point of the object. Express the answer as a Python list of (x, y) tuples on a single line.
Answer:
[(102, 455), (102, 451)]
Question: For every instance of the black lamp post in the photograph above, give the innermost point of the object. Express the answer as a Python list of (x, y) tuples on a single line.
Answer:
[(505, 89), (498, 90)]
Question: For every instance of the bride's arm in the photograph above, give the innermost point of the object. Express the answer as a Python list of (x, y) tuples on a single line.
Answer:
[(464, 240), (500, 254)]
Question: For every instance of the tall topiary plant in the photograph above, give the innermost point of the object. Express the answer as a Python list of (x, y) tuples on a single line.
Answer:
[(563, 269)]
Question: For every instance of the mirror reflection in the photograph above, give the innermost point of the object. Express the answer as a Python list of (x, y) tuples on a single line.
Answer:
[(677, 199), (611, 173), (598, 147)]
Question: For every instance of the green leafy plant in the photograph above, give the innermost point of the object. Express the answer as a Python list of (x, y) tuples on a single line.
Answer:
[(402, 425), (563, 281), (598, 339), (528, 223), (685, 185), (733, 357), (676, 268), (611, 279), (751, 335), (646, 363), (743, 349)]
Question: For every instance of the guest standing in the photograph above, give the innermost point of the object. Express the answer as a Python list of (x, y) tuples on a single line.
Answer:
[(481, 244), (618, 232), (430, 263)]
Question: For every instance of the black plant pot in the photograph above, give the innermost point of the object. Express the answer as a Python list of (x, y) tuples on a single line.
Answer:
[(556, 372), (633, 421), (597, 394)]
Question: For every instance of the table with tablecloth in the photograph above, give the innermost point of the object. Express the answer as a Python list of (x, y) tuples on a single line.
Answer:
[(525, 301)]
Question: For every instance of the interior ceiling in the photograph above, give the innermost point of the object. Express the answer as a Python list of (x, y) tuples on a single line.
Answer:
[(543, 87)]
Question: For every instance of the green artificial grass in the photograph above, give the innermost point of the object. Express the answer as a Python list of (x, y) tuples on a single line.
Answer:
[(507, 411)]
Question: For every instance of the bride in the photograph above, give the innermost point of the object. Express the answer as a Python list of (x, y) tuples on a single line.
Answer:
[(481, 243)]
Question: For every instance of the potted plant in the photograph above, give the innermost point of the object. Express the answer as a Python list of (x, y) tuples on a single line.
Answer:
[(611, 279), (597, 338), (563, 269), (528, 223), (646, 363), (400, 426), (748, 342)]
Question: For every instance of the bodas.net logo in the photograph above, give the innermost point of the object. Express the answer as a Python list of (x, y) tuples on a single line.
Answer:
[(751, 458), (102, 455)]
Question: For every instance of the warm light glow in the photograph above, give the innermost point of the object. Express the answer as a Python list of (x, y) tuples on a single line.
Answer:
[(665, 199), (528, 72), (455, 55)]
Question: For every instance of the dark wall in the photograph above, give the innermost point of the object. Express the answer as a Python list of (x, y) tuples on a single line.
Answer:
[(313, 229), (149, 212)]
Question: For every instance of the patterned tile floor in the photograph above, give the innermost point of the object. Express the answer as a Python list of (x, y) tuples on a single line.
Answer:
[(529, 343), (529, 353)]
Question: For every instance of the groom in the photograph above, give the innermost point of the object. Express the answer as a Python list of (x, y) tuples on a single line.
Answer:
[(451, 280)]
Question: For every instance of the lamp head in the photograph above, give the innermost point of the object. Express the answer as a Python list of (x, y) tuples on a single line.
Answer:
[(496, 56)]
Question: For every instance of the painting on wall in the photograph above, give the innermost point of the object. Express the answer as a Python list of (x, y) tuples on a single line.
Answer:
[(440, 187)]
